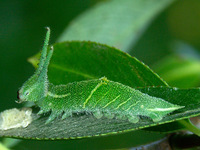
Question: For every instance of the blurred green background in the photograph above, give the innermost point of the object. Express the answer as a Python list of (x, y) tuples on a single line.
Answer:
[(170, 45), (21, 36)]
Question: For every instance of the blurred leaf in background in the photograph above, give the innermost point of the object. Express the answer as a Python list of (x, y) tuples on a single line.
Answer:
[(115, 23), (180, 66), (181, 69), (183, 21)]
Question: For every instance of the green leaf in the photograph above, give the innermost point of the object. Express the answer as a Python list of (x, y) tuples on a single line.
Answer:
[(116, 23), (77, 61), (88, 126), (83, 59)]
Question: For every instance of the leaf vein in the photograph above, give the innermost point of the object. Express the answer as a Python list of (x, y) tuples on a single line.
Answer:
[(73, 71)]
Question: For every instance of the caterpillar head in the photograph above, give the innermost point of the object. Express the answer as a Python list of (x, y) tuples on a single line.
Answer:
[(36, 86)]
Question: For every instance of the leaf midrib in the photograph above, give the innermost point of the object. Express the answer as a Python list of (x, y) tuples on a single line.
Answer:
[(73, 71)]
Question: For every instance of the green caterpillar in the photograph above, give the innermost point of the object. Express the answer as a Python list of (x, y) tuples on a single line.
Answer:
[(101, 97)]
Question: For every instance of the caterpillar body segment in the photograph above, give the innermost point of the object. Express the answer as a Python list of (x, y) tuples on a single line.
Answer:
[(102, 97)]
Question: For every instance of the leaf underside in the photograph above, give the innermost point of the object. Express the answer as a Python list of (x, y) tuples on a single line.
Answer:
[(80, 126)]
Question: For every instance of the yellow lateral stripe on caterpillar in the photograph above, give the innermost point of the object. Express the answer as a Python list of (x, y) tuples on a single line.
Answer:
[(165, 109), (123, 103), (103, 81), (57, 96), (111, 101)]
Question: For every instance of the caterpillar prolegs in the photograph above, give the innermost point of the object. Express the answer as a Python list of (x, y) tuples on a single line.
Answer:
[(101, 97)]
